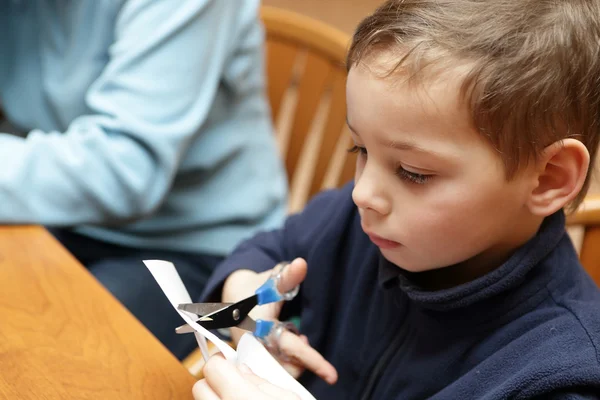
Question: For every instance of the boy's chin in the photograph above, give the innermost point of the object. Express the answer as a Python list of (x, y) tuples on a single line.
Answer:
[(405, 264)]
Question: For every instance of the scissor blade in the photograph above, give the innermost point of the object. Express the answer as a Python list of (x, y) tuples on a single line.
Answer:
[(247, 324), (202, 308), (232, 315), (185, 328)]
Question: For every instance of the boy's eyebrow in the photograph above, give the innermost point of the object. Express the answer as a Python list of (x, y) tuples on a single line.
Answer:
[(400, 145)]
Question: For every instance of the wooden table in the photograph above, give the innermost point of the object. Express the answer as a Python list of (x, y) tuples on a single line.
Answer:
[(63, 336)]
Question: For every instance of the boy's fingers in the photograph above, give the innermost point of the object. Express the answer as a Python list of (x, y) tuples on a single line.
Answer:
[(225, 379), (201, 391), (267, 388), (293, 368), (292, 275), (293, 346)]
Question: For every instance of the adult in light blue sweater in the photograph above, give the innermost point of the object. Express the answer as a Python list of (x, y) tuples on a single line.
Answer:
[(146, 134)]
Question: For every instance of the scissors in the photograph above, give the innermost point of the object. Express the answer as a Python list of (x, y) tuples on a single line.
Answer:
[(226, 315)]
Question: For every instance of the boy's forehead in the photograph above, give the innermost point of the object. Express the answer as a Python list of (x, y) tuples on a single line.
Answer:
[(428, 114), (399, 67), (436, 97)]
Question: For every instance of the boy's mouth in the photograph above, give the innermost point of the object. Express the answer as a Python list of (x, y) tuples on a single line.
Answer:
[(382, 243)]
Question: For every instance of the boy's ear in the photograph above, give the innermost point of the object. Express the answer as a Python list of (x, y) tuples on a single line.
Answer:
[(561, 173)]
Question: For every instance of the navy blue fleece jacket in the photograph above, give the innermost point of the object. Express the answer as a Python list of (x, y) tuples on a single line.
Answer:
[(528, 329)]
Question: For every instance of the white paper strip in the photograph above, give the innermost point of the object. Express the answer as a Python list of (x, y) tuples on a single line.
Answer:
[(254, 355), (249, 350), (171, 284)]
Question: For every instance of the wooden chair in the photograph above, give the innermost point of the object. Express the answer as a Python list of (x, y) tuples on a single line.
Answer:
[(306, 83), (584, 227), (306, 77)]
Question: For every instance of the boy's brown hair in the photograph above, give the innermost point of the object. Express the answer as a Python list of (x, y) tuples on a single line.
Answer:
[(534, 65)]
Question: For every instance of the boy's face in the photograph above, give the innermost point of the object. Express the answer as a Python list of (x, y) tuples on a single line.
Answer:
[(431, 191)]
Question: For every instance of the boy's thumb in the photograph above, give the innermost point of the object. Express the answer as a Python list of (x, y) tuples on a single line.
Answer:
[(292, 275)]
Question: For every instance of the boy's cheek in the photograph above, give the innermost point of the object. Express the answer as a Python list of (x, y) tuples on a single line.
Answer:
[(435, 239)]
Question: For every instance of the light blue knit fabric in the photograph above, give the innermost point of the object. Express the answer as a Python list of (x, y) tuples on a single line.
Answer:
[(148, 121)]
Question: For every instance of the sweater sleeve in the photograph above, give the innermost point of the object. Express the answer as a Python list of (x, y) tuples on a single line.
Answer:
[(299, 237), (117, 164)]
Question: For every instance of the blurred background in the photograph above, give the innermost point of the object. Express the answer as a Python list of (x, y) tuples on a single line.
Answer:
[(342, 14)]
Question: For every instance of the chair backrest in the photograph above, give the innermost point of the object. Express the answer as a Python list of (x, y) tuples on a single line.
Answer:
[(306, 78), (587, 217)]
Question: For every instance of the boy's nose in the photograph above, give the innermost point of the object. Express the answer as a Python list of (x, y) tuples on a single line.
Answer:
[(369, 195)]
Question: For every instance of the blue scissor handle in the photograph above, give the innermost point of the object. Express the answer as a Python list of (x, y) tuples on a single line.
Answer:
[(268, 292), (269, 332), (263, 328)]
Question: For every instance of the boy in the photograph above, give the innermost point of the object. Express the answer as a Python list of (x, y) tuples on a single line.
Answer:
[(445, 271)]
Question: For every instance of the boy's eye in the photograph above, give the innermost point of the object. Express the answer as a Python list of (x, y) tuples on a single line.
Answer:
[(357, 149), (404, 174), (412, 177)]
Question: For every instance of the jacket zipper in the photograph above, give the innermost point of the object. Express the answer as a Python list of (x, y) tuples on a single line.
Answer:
[(380, 367)]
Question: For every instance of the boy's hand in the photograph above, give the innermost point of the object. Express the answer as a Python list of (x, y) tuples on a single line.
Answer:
[(225, 381), (243, 283)]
